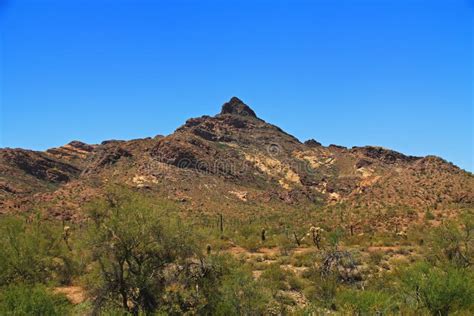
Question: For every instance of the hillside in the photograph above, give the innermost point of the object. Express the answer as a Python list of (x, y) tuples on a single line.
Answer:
[(234, 155)]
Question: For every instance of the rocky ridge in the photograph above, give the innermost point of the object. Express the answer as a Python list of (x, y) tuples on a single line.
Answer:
[(234, 151)]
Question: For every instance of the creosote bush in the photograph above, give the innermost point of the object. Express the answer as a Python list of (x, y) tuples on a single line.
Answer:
[(365, 302)]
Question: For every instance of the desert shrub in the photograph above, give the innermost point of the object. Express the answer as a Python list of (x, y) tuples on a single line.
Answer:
[(429, 215), (284, 299), (453, 242), (376, 257), (32, 252), (340, 264), (309, 309), (323, 289), (84, 308), (284, 260), (133, 248), (334, 237), (274, 278), (295, 283), (147, 262), (332, 269), (366, 302), (305, 259), (248, 236), (439, 290), (240, 294), (251, 243), (227, 288), (24, 299), (285, 244)]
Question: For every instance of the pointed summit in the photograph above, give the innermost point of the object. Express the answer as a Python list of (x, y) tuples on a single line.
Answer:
[(238, 107)]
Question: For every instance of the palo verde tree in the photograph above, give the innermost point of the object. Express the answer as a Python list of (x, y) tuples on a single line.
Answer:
[(453, 242), (31, 251), (135, 251)]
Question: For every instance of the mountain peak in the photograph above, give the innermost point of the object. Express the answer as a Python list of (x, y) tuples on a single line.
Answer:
[(238, 107)]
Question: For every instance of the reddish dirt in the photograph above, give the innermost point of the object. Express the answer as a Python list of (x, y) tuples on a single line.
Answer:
[(301, 250), (75, 294), (237, 250), (384, 249), (269, 251)]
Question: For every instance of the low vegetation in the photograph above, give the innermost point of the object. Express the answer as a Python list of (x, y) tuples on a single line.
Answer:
[(136, 255)]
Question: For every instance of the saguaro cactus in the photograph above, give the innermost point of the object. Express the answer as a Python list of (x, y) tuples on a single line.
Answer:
[(66, 234), (351, 228), (221, 223), (316, 234)]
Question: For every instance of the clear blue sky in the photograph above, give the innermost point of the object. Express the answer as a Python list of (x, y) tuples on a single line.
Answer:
[(394, 73)]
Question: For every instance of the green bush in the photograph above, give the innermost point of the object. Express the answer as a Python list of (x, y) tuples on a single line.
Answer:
[(376, 257), (439, 290), (323, 291), (364, 302), (32, 300), (248, 236), (132, 244), (239, 294), (305, 259), (31, 252), (334, 237), (285, 244), (295, 282), (274, 278), (453, 242)]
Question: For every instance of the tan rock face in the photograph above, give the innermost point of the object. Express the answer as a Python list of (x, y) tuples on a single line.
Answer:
[(143, 181), (242, 195), (74, 150), (274, 168)]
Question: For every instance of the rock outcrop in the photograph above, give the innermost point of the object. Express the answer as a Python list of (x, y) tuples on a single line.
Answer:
[(237, 107), (39, 165)]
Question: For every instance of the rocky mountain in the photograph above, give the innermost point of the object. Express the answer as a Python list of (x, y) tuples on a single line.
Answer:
[(232, 160)]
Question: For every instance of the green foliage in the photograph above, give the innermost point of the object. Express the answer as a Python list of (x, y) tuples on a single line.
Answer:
[(440, 290), (334, 237), (376, 257), (274, 278), (225, 288), (138, 256), (366, 302), (239, 294), (284, 243), (131, 248), (323, 291), (31, 252), (249, 237), (146, 261), (32, 300), (295, 283), (305, 259), (453, 242)]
